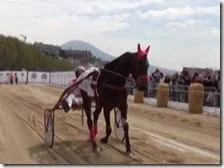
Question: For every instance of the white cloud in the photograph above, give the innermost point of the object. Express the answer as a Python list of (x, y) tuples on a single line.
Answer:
[(214, 31), (193, 28), (118, 17), (179, 13), (48, 20), (190, 23), (107, 6), (174, 43), (59, 29)]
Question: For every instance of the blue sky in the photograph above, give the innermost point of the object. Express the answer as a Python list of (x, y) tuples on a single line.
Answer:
[(180, 32)]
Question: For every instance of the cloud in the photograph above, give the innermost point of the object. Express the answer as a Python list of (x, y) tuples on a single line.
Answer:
[(214, 31), (26, 9), (193, 28), (118, 17), (178, 31), (188, 24), (179, 13), (49, 19), (57, 30), (87, 7)]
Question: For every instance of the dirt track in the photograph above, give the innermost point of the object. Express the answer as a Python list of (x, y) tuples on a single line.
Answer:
[(158, 135)]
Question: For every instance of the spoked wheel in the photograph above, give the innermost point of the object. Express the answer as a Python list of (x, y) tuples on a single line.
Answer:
[(49, 128), (118, 125)]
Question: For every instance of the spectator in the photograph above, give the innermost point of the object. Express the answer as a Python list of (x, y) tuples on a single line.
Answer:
[(16, 78), (194, 78), (11, 78), (185, 78), (207, 81), (167, 79), (157, 76), (199, 79), (174, 87), (184, 83)]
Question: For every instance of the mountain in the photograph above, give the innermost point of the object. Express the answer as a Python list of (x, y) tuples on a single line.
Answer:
[(81, 45), (152, 68)]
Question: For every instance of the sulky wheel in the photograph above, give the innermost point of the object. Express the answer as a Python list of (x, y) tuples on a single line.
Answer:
[(49, 128), (118, 125)]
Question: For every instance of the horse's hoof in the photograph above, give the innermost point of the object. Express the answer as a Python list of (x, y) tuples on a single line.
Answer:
[(129, 153), (103, 140), (96, 149)]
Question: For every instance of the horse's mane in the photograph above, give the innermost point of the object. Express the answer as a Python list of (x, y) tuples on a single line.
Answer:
[(114, 63)]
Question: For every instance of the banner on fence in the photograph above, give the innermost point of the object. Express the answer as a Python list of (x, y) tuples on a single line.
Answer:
[(38, 77), (63, 79)]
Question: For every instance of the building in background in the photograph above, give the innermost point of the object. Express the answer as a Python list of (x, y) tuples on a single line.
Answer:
[(202, 71), (77, 56)]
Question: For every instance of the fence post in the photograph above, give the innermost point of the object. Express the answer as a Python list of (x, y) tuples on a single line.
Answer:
[(162, 94), (138, 96), (195, 98)]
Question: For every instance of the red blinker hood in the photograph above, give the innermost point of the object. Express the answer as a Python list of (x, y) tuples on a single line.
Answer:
[(141, 53)]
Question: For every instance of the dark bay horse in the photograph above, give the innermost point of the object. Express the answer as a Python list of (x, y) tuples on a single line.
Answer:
[(111, 92)]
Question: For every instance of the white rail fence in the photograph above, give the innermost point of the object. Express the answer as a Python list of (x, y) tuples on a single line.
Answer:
[(64, 79)]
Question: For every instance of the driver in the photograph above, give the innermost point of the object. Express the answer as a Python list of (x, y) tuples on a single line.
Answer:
[(71, 99)]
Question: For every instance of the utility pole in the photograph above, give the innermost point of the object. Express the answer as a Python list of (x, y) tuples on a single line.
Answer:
[(24, 37)]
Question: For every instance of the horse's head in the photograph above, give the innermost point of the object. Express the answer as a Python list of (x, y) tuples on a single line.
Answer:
[(140, 74)]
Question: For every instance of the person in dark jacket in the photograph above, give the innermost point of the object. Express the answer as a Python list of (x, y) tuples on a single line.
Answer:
[(16, 78), (184, 83)]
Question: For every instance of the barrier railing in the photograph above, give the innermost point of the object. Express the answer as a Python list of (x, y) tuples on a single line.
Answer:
[(179, 93)]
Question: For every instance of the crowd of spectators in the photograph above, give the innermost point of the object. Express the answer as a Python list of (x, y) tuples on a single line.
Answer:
[(179, 84)]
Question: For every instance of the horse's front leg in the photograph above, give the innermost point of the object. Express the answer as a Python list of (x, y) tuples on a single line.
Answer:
[(124, 111), (95, 128), (87, 109), (108, 125)]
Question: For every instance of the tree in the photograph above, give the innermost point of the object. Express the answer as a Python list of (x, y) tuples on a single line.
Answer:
[(17, 55)]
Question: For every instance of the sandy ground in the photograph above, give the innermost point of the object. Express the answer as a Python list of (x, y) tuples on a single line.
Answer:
[(158, 135)]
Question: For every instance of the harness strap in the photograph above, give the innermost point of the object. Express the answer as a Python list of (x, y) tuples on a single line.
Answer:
[(114, 87), (82, 117), (115, 73)]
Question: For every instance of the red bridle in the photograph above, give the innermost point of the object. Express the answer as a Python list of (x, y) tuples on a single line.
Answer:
[(142, 54)]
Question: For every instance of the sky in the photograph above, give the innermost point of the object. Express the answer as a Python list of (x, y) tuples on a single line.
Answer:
[(181, 33)]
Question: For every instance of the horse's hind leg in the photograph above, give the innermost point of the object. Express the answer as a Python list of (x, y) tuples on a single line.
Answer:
[(87, 108), (108, 125)]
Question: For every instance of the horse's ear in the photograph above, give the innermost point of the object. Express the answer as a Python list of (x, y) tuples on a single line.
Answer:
[(147, 49), (139, 47)]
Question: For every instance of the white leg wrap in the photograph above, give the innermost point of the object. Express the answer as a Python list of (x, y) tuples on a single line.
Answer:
[(70, 100)]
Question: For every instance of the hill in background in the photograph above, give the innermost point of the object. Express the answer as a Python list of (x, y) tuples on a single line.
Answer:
[(81, 45)]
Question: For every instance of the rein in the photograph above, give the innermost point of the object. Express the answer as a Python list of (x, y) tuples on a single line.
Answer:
[(116, 74)]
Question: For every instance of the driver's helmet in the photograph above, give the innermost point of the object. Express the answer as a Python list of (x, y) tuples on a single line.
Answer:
[(79, 70)]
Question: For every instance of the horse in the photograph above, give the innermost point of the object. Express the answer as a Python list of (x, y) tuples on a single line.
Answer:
[(110, 91)]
